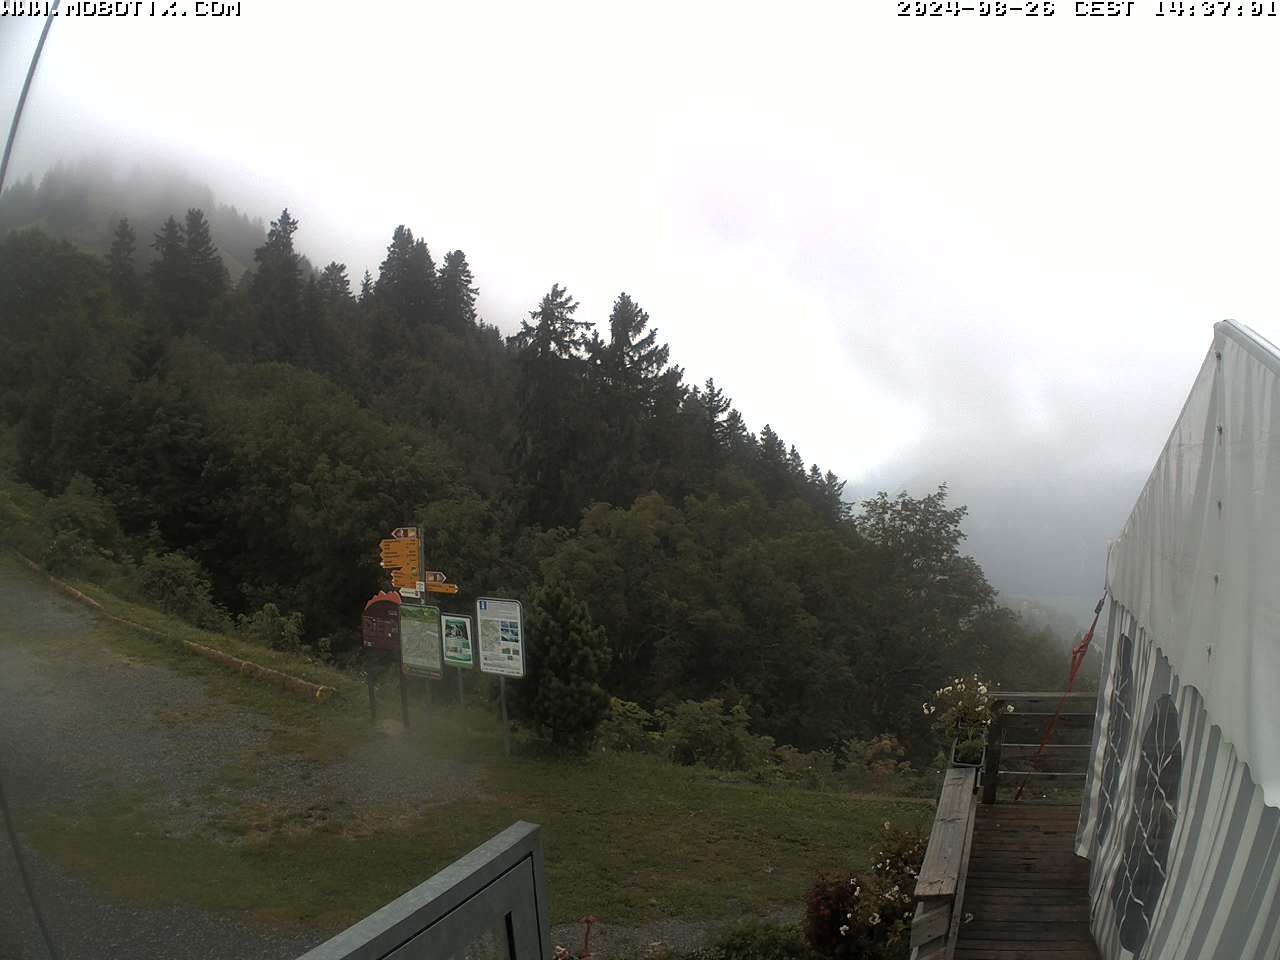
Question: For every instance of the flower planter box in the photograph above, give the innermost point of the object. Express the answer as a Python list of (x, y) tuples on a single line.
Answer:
[(957, 762)]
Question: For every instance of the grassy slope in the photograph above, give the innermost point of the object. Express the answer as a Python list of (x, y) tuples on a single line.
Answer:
[(628, 838)]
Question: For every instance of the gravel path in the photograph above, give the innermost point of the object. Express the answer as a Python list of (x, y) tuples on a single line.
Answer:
[(76, 715)]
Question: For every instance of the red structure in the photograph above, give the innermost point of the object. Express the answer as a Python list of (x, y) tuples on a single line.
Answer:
[(380, 625)]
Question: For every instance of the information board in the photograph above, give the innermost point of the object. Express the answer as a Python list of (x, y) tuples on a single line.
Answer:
[(420, 641), (500, 629), (457, 640)]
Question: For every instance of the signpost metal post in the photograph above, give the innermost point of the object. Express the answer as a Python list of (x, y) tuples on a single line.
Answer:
[(404, 695), (506, 727)]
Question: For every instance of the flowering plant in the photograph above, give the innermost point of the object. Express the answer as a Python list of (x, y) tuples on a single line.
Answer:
[(870, 916), (961, 713)]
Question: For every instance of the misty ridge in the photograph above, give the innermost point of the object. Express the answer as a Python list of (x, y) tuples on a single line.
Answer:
[(186, 397)]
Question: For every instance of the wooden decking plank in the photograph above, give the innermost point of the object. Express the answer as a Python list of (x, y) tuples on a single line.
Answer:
[(1027, 892)]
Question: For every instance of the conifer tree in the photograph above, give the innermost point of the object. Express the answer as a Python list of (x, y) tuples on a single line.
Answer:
[(633, 359), (169, 276), (277, 288), (457, 291), (407, 282), (366, 288), (568, 656), (121, 271), (334, 285), (551, 344), (206, 276)]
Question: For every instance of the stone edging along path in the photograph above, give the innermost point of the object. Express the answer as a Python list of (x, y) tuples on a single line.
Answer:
[(305, 688)]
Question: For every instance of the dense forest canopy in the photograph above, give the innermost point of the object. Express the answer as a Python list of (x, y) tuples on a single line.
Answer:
[(272, 422)]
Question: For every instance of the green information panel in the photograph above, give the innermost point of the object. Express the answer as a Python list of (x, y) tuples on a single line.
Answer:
[(420, 635), (457, 640)]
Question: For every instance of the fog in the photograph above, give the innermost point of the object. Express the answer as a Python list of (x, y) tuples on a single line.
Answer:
[(979, 251)]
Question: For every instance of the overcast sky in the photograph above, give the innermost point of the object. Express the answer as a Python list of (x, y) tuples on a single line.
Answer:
[(987, 251)]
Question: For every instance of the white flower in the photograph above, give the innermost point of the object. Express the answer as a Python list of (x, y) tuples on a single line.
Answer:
[(875, 918), (1008, 708), (886, 824), (844, 929), (982, 689), (848, 916)]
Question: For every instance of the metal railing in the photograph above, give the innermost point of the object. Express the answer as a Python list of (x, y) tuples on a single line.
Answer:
[(490, 903)]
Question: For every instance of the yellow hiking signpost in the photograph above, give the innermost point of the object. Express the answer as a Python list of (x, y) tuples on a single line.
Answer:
[(400, 557)]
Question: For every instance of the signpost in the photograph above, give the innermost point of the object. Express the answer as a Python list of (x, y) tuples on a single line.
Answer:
[(500, 629), (426, 639), (457, 645)]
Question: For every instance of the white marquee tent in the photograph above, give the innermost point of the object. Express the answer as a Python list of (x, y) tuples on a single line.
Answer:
[(1180, 820)]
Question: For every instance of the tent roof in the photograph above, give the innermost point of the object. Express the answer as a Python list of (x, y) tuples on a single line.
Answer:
[(1197, 561)]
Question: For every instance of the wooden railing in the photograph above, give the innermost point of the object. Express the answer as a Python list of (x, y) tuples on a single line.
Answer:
[(940, 886), (1013, 739)]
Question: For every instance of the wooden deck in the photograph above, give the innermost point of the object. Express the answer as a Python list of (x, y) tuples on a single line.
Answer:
[(1027, 891), (1000, 879)]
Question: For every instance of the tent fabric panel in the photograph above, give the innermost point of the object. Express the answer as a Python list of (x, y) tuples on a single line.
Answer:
[(1221, 891)]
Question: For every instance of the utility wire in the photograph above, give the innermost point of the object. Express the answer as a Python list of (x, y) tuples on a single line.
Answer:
[(5, 814)]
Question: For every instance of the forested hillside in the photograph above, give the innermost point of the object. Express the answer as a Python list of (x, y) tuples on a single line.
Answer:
[(274, 428)]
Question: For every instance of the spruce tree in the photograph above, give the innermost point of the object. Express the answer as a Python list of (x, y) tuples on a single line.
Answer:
[(551, 408), (407, 282), (334, 285), (633, 358), (554, 332), (277, 289), (169, 277), (457, 291), (366, 288), (206, 276), (121, 271), (567, 655)]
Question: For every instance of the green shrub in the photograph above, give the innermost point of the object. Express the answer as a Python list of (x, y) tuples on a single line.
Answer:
[(758, 940), (629, 728), (704, 732), (178, 585), (814, 770), (83, 534), (269, 628)]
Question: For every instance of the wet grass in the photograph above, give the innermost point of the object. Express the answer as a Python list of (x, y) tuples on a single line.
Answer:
[(629, 839)]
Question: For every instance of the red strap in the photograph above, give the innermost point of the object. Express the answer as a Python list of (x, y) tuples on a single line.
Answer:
[(1078, 653)]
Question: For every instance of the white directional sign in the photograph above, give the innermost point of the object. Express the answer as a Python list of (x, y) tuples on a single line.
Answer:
[(500, 629)]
